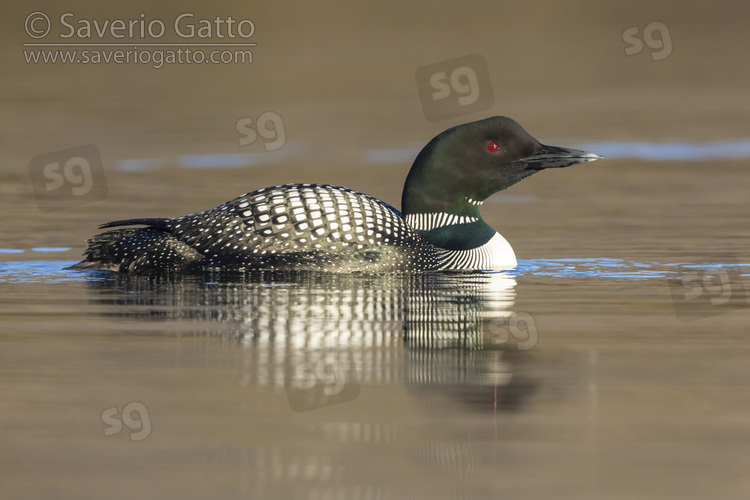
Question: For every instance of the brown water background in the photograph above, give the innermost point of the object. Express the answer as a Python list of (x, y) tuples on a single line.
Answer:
[(632, 389)]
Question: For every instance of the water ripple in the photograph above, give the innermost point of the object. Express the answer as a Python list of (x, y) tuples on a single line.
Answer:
[(618, 269)]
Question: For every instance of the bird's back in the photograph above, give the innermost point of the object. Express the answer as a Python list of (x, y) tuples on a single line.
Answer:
[(294, 226)]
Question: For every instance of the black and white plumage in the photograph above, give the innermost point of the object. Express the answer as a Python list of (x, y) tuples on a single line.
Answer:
[(334, 229)]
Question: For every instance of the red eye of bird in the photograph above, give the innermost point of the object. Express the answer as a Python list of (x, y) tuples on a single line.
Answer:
[(492, 147)]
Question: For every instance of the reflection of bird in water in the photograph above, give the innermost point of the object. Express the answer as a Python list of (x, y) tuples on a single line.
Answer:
[(334, 229), (435, 330), (437, 343)]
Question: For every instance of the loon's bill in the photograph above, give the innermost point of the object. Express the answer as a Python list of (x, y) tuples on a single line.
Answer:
[(328, 228), (556, 157)]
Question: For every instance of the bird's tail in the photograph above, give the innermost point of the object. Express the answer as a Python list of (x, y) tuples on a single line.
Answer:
[(137, 250), (158, 223)]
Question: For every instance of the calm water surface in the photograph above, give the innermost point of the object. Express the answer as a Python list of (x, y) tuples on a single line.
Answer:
[(614, 362), (561, 377)]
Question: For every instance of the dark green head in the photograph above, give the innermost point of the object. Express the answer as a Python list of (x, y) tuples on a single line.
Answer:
[(468, 163)]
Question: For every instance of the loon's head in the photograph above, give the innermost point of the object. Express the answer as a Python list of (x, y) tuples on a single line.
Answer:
[(466, 164)]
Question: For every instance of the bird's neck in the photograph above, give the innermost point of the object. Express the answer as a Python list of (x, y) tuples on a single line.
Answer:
[(445, 216), (440, 204), (455, 227)]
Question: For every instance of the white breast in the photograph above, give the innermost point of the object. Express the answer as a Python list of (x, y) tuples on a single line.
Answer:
[(496, 254)]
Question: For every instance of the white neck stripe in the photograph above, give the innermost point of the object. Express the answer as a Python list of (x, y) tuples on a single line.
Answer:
[(426, 222)]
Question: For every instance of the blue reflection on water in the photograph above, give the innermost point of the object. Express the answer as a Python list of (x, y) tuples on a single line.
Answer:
[(617, 269), (671, 151), (611, 268), (665, 151), (39, 271), (598, 268), (50, 249), (35, 249)]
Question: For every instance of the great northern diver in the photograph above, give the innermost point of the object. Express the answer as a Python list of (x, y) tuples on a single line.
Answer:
[(334, 229)]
